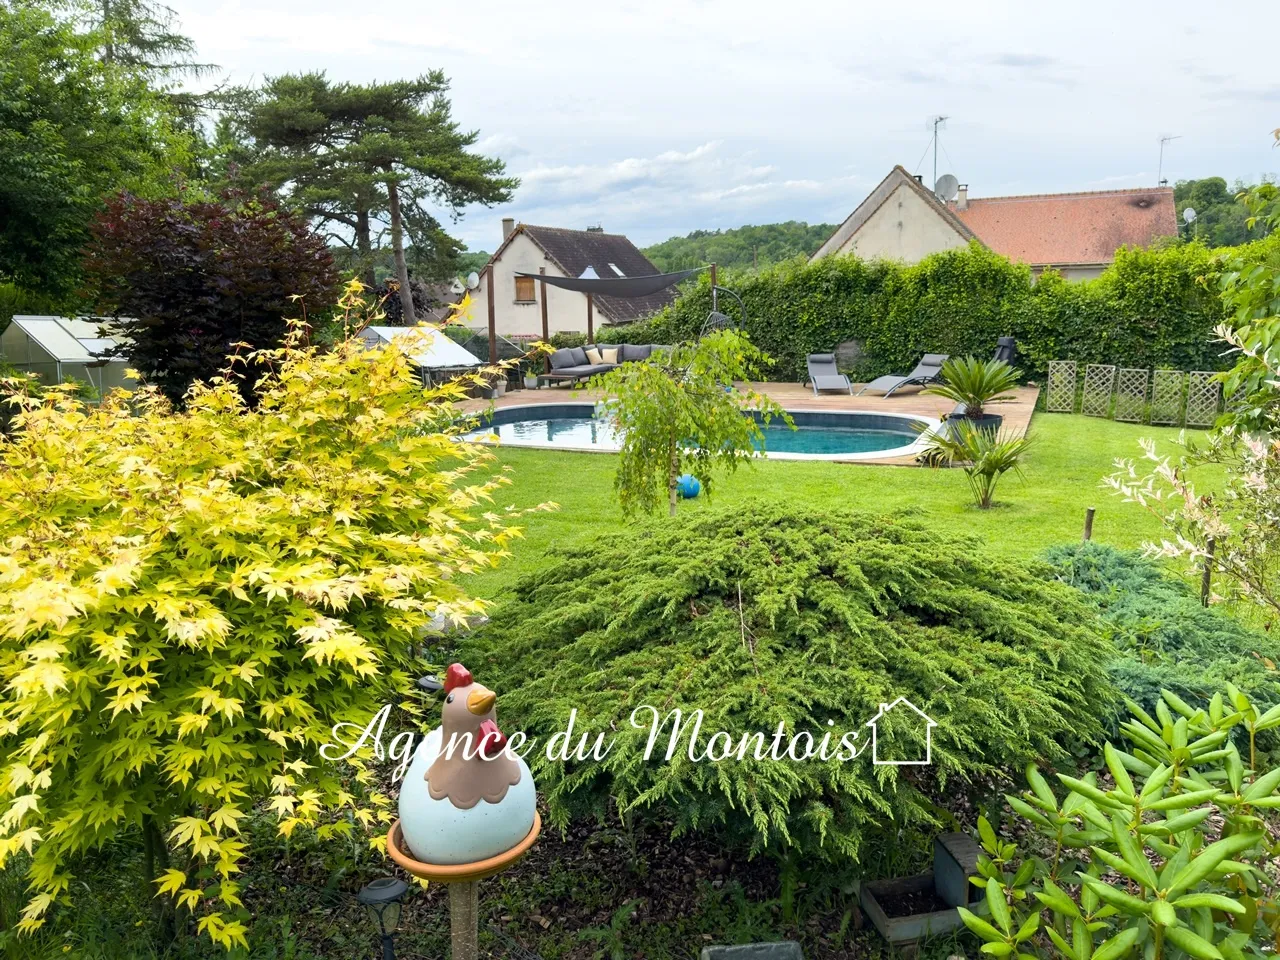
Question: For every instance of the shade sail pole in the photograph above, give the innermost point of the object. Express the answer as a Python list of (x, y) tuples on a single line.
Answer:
[(714, 305), (493, 323), (546, 332), (591, 329)]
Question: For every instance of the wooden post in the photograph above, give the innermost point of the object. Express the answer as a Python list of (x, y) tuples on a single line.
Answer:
[(1206, 577), (1088, 523), (591, 327), (713, 287), (546, 333), (493, 323), (464, 912)]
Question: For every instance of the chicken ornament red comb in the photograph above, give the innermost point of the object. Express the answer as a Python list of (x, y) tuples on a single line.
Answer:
[(456, 676)]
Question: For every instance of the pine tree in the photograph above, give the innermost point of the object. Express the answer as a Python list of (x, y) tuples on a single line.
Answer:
[(361, 158)]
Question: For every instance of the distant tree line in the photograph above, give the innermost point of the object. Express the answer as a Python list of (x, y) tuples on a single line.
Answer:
[(279, 188), (742, 248), (1219, 217)]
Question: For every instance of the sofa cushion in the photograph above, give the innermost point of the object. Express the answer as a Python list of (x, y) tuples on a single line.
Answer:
[(593, 355), (563, 358), (609, 355), (630, 351), (579, 356)]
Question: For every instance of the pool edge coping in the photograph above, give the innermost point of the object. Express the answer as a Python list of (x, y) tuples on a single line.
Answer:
[(911, 449)]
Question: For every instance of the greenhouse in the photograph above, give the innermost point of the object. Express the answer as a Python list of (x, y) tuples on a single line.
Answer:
[(65, 349)]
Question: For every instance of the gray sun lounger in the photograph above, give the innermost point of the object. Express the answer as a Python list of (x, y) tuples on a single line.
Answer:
[(824, 375), (927, 371)]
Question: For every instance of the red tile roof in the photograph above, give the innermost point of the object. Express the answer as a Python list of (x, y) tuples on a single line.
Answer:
[(1071, 228)]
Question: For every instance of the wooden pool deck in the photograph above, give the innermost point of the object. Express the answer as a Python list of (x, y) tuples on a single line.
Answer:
[(792, 396)]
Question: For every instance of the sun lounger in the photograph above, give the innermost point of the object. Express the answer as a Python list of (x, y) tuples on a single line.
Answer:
[(824, 375), (927, 371)]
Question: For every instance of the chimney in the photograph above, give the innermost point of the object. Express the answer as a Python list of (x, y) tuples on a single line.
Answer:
[(508, 224), (920, 178), (598, 228), (962, 197)]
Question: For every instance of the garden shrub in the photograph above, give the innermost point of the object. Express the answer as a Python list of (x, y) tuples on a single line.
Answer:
[(762, 614), (1153, 307), (190, 279), (1164, 638), (190, 600)]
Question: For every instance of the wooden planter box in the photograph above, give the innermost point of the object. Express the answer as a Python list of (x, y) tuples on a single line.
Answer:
[(754, 951), (912, 927)]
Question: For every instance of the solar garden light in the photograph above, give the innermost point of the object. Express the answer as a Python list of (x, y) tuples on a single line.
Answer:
[(383, 897)]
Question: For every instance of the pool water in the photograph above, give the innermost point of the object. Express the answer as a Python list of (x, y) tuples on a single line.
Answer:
[(816, 434)]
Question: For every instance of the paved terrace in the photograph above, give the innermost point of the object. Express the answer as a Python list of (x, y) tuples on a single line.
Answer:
[(792, 396)]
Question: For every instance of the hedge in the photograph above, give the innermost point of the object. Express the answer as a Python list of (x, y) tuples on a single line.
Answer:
[(1152, 307)]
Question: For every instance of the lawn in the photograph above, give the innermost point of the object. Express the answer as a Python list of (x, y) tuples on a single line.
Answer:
[(1046, 505)]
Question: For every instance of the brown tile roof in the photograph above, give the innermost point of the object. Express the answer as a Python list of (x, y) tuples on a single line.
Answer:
[(1067, 228), (572, 251)]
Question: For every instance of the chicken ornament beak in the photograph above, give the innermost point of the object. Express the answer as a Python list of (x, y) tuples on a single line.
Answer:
[(481, 700)]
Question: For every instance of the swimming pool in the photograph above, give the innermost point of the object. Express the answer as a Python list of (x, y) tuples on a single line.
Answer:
[(819, 434)]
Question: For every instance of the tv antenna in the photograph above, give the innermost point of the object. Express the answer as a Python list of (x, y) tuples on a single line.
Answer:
[(1165, 138), (939, 122)]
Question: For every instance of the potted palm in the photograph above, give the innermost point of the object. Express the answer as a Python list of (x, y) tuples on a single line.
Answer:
[(973, 384)]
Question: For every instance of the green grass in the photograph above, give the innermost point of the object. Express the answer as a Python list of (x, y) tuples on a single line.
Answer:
[(1061, 477)]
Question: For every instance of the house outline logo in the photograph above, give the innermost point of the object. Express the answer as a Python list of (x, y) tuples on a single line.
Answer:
[(928, 736)]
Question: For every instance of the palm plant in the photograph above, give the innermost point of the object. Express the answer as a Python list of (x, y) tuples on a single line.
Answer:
[(984, 455), (975, 383)]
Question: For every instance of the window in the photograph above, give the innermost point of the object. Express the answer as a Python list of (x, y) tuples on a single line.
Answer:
[(617, 270), (524, 290)]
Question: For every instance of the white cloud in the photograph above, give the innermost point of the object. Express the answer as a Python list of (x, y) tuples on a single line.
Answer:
[(660, 118)]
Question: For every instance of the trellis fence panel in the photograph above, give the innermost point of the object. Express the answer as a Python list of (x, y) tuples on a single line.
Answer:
[(1167, 388), (1061, 395), (1203, 395), (1099, 383)]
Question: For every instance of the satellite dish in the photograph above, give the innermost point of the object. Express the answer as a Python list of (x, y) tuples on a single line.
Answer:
[(1189, 215), (473, 281), (946, 187)]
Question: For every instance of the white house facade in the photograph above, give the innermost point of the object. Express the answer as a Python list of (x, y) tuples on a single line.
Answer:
[(517, 301)]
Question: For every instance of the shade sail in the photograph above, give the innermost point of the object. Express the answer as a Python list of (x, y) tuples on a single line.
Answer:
[(626, 288), (427, 347)]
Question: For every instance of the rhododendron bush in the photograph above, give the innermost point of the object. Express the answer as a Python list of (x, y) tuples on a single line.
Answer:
[(189, 600)]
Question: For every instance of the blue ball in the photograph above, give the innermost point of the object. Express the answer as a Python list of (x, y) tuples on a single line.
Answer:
[(688, 486)]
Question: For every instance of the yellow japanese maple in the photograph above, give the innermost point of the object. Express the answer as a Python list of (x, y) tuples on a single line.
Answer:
[(189, 600)]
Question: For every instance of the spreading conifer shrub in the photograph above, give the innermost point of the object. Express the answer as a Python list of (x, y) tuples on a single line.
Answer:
[(1164, 638), (762, 614)]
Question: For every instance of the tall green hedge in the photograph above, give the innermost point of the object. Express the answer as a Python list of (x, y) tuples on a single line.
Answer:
[(1152, 307)]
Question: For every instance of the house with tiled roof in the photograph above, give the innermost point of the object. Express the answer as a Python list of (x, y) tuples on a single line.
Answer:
[(1077, 234), (558, 252)]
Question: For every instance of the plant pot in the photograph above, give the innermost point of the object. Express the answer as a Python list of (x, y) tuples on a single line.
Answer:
[(531, 382), (987, 423), (955, 860)]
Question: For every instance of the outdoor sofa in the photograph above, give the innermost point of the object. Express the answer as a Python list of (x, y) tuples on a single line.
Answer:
[(571, 364)]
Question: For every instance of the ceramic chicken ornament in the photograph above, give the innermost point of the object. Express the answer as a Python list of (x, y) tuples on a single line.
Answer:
[(474, 802)]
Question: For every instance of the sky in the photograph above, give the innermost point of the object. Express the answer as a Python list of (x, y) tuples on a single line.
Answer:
[(654, 119)]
